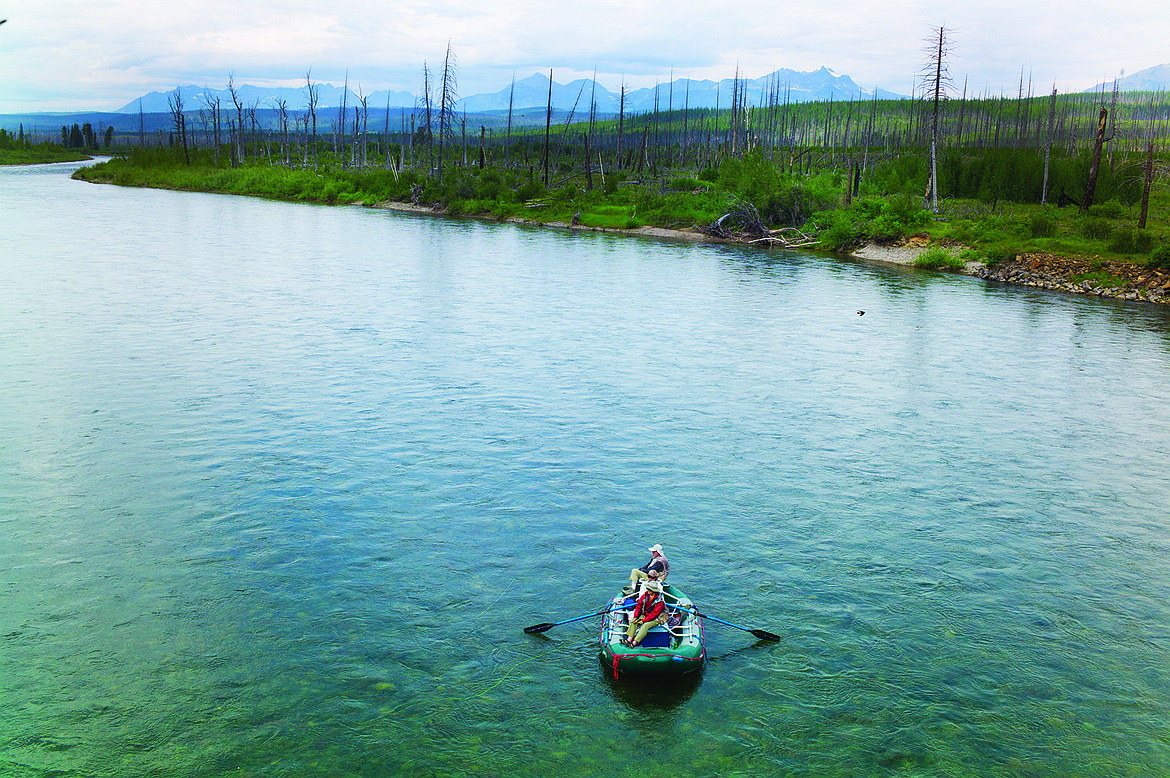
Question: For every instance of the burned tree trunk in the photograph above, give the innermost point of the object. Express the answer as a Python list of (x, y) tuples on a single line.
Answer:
[(1048, 145), (547, 125), (175, 102), (1095, 165), (1148, 179)]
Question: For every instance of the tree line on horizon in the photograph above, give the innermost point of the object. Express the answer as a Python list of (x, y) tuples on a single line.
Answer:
[(962, 134)]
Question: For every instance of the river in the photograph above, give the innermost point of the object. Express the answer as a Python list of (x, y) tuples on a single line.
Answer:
[(281, 484)]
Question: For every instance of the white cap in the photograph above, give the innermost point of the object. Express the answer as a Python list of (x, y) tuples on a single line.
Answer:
[(656, 548)]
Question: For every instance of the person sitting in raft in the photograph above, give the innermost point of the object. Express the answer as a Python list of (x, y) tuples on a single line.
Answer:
[(657, 568), (649, 612)]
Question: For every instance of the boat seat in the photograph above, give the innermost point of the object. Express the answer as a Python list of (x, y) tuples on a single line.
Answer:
[(657, 638)]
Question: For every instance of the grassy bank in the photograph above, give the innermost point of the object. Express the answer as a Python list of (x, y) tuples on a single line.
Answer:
[(40, 155), (749, 198), (17, 150)]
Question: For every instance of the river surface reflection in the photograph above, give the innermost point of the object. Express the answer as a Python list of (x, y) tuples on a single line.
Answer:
[(281, 484)]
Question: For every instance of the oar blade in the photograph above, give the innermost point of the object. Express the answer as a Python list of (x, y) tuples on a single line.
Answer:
[(761, 634), (535, 628)]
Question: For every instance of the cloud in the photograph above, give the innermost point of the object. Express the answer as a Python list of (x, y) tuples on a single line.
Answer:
[(77, 54)]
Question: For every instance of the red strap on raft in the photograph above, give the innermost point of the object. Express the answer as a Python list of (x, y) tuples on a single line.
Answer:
[(616, 657)]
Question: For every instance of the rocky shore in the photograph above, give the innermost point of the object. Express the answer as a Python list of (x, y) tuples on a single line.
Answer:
[(1072, 275), (1124, 280)]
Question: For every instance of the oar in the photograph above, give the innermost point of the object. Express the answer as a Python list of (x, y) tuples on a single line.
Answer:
[(535, 628), (760, 633)]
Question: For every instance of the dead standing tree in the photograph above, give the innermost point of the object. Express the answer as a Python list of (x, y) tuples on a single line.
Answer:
[(508, 141), (1099, 142), (282, 120), (936, 81), (425, 132), (237, 101), (339, 129), (547, 125), (175, 102), (1048, 144), (364, 100), (448, 97), (212, 115), (314, 94)]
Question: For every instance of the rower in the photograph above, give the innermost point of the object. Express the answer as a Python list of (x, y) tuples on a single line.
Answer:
[(657, 568)]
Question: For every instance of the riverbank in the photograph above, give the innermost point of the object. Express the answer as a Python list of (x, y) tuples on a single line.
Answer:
[(1071, 275), (39, 155), (1023, 245)]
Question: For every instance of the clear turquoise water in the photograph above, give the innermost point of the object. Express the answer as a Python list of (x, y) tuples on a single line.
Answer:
[(280, 486)]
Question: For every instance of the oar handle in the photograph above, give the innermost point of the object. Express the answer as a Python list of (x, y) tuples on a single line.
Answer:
[(535, 628)]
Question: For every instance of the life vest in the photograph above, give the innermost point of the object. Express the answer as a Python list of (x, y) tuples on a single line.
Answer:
[(659, 560), (649, 607)]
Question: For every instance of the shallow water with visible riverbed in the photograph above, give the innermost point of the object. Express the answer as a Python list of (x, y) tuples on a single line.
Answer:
[(281, 484)]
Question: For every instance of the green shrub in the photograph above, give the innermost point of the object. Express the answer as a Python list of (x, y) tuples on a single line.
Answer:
[(900, 215), (900, 175), (566, 194), (1127, 240), (1001, 252), (867, 208), (1159, 257), (491, 185), (939, 259), (710, 175), (684, 184), (840, 232), (1108, 210), (613, 180), (793, 205), (1042, 224), (530, 190), (1096, 228), (779, 198)]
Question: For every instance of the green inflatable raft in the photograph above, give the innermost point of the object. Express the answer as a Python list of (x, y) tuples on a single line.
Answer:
[(674, 648)]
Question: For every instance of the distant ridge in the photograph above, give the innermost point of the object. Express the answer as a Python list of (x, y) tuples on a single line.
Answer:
[(194, 98), (532, 92), (793, 85), (1153, 79)]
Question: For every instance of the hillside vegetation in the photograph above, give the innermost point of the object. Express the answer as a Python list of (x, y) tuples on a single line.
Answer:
[(1079, 176)]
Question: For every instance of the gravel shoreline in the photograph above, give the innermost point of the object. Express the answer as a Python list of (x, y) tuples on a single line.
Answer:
[(1127, 280)]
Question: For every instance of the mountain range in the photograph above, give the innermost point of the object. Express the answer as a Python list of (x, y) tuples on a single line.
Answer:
[(1155, 79), (533, 92), (528, 99)]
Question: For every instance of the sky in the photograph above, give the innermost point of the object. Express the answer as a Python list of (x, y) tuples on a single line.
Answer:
[(98, 55)]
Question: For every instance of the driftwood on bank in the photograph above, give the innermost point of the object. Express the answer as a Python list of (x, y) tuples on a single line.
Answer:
[(745, 216), (745, 224), (787, 237)]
